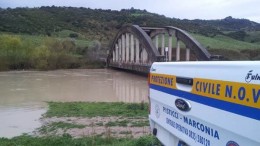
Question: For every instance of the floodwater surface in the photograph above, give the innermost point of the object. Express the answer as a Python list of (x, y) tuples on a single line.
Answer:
[(23, 94)]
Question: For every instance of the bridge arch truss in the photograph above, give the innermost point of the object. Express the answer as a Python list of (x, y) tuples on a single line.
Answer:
[(136, 48)]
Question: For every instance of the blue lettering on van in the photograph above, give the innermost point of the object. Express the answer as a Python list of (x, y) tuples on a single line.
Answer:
[(210, 88), (250, 76), (170, 122), (177, 126), (201, 127), (241, 93), (162, 80), (256, 95), (171, 112), (203, 140), (228, 92)]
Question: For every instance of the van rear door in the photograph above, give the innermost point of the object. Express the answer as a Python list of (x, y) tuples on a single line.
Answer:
[(206, 103)]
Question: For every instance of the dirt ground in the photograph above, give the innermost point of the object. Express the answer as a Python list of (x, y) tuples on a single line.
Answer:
[(96, 126)]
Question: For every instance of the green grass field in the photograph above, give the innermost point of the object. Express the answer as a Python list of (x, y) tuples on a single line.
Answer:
[(224, 42), (253, 37), (217, 42), (37, 40), (67, 33), (91, 109)]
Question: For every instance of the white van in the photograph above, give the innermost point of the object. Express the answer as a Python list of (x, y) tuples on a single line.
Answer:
[(214, 103)]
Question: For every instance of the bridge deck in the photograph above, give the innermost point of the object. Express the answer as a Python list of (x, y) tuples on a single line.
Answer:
[(133, 67)]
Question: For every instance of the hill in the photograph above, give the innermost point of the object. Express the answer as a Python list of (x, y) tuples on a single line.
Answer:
[(102, 24), (230, 24)]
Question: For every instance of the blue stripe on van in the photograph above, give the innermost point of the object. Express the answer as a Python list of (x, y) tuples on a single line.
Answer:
[(223, 105)]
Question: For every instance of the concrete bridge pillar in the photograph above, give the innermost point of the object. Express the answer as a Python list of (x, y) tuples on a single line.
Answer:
[(116, 52), (178, 50), (141, 55), (170, 48), (144, 56), (127, 47), (123, 48), (132, 53), (163, 45), (119, 50), (156, 42), (137, 50), (187, 54), (114, 55)]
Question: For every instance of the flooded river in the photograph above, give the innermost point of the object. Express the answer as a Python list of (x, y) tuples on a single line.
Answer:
[(23, 94)]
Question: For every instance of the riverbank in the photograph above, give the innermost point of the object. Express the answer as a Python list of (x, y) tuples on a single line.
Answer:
[(23, 52), (81, 119), (90, 123)]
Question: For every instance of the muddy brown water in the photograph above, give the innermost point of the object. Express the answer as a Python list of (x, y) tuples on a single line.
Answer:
[(23, 94)]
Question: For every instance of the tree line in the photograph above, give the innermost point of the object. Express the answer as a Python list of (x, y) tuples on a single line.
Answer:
[(17, 53)]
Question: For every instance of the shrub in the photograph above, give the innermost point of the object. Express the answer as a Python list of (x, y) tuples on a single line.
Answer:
[(49, 53), (14, 53)]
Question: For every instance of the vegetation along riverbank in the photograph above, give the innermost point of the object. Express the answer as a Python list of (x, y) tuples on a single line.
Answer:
[(88, 123), (19, 52)]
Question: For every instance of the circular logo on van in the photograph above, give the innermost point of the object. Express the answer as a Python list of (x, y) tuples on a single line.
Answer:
[(182, 105), (157, 111), (232, 143)]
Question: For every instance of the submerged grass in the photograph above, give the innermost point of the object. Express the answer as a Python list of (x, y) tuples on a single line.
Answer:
[(67, 140), (93, 109)]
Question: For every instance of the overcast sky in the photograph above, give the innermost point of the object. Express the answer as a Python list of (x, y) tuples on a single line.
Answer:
[(183, 9)]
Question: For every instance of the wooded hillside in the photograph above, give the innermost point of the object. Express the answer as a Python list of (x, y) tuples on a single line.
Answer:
[(102, 24)]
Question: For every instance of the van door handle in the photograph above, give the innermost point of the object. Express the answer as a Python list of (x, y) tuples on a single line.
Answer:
[(184, 80)]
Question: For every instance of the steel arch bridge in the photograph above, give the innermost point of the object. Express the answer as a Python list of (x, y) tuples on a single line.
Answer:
[(136, 48)]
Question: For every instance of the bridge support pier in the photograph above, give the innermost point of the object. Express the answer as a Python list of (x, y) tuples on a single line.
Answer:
[(120, 50), (123, 48), (156, 42), (127, 46), (137, 51), (187, 54), (114, 55), (170, 48), (132, 55), (117, 52), (163, 45), (178, 50)]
